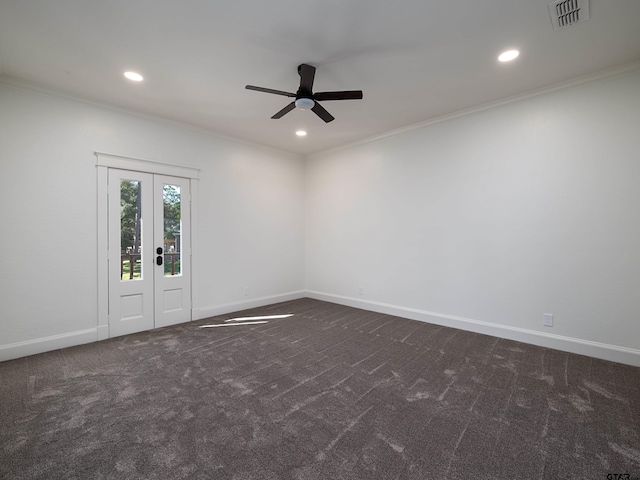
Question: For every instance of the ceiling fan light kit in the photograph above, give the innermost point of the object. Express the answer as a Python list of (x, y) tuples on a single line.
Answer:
[(305, 99), (304, 103)]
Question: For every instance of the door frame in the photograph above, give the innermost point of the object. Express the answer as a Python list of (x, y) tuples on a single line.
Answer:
[(104, 161)]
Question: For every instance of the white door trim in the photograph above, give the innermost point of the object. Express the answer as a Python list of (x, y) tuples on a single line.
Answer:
[(104, 161), (122, 162)]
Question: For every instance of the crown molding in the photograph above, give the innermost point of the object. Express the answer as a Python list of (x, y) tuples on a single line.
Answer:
[(578, 82), (28, 86)]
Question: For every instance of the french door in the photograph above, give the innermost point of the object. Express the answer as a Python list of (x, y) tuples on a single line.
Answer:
[(149, 230)]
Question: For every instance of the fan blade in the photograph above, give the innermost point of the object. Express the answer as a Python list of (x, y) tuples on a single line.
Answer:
[(269, 90), (285, 110), (307, 74), (322, 113), (347, 95)]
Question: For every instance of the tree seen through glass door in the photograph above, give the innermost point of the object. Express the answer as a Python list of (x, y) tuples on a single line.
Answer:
[(130, 229), (172, 201)]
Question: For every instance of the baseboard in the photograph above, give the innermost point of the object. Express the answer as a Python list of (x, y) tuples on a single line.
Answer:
[(216, 310), (55, 342), (46, 344), (604, 351), (103, 332)]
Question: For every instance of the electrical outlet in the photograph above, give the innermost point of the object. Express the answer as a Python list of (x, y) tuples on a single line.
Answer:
[(547, 319), (245, 292), (360, 290)]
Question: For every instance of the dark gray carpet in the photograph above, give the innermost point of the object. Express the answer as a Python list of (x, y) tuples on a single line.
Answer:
[(330, 393)]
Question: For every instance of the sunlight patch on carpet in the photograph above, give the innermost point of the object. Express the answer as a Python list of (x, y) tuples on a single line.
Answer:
[(262, 317), (232, 324)]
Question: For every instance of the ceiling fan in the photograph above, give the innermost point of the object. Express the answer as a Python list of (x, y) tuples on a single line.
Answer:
[(305, 98)]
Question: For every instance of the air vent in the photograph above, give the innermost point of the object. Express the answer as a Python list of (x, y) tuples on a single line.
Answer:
[(565, 13)]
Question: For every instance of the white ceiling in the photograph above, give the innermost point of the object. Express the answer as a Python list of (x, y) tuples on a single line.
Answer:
[(414, 59)]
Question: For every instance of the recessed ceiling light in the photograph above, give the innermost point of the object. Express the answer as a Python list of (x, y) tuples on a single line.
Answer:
[(133, 76), (508, 55), (301, 133)]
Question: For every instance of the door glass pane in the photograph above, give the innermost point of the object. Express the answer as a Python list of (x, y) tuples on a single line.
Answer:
[(171, 199), (130, 230)]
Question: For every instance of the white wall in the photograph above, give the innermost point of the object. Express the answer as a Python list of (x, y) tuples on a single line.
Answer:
[(489, 220), (251, 215), (482, 222)]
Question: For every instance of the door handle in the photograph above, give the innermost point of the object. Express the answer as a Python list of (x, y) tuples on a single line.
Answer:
[(159, 259)]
